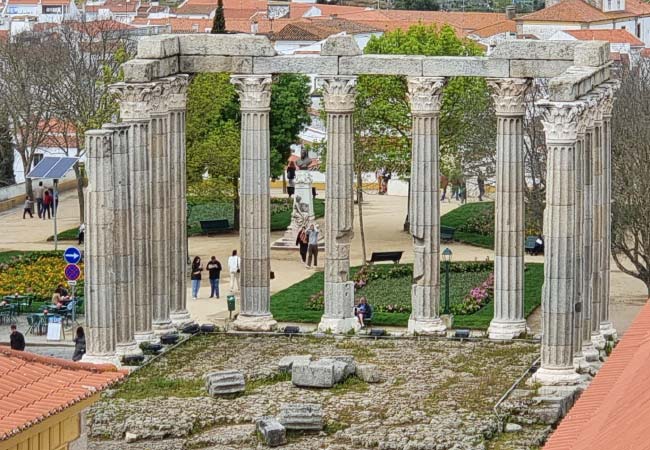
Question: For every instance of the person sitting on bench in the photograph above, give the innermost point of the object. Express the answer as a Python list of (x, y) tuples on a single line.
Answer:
[(363, 311), (539, 245)]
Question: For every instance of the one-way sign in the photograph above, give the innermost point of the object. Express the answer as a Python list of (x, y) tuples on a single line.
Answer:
[(72, 255)]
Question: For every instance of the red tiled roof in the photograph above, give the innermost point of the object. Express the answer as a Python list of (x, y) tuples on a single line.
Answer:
[(611, 36), (613, 413), (116, 6), (505, 26), (34, 387), (320, 28), (580, 11)]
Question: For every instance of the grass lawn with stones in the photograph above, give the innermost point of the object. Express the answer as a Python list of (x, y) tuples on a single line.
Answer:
[(432, 390), (294, 305)]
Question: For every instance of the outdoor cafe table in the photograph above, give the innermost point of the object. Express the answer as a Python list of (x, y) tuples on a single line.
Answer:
[(20, 300)]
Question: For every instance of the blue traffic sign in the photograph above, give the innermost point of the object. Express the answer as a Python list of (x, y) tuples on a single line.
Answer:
[(72, 255), (72, 272)]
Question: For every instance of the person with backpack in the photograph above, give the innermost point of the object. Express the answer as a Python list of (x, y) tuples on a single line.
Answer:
[(196, 277), (47, 202), (214, 269), (303, 242)]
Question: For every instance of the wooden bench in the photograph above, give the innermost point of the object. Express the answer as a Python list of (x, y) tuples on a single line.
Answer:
[(531, 246), (447, 233), (385, 256), (214, 226)]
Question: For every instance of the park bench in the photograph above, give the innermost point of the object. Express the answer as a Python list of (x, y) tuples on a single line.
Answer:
[(385, 256), (214, 226), (447, 233), (531, 246)]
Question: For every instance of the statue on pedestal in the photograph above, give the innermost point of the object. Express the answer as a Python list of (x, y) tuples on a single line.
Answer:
[(300, 214)]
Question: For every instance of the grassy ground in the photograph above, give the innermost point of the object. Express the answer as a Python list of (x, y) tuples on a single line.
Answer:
[(8, 256), (290, 305), (466, 213)]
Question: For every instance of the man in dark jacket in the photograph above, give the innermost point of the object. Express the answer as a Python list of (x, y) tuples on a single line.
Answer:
[(17, 339)]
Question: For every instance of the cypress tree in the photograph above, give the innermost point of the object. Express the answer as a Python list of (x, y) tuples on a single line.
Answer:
[(219, 24)]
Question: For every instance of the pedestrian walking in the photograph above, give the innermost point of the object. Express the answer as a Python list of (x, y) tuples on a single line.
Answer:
[(291, 175), (444, 182), (379, 175), (234, 267), (462, 193), (79, 344), (38, 195), (312, 250), (214, 269), (303, 242), (81, 234), (47, 201), (481, 187), (16, 338), (386, 179), (27, 209), (196, 277)]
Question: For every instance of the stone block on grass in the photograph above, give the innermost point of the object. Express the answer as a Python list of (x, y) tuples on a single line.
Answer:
[(225, 382), (301, 416), (368, 373), (273, 432), (287, 362)]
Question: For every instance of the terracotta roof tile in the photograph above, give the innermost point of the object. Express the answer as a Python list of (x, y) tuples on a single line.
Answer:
[(611, 36), (612, 414), (505, 26), (581, 12), (320, 28), (33, 387)]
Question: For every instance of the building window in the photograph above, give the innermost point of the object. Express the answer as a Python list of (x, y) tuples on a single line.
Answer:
[(609, 5), (52, 9), (638, 30)]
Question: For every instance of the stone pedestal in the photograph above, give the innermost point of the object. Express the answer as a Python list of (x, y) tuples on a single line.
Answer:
[(425, 97), (338, 96), (255, 217), (509, 99)]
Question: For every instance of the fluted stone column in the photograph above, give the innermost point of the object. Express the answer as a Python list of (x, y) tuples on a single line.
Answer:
[(135, 105), (425, 95), (597, 228), (178, 243), (509, 321), (560, 124), (606, 327), (255, 217), (98, 257), (161, 257), (123, 259), (338, 96)]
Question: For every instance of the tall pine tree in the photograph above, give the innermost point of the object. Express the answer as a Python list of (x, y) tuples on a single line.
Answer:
[(6, 153), (219, 24)]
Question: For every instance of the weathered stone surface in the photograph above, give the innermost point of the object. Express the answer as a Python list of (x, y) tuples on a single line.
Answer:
[(538, 68), (381, 65), (216, 63), (308, 64), (576, 82), (591, 54), (350, 365), (272, 431), (287, 362), (144, 70), (323, 373), (466, 66), (529, 49), (225, 382), (225, 44), (340, 45), (369, 373), (513, 428), (158, 47), (301, 416)]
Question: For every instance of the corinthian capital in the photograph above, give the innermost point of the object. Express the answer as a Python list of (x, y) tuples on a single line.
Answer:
[(509, 95), (339, 93), (608, 90), (133, 98), (425, 94), (177, 89), (560, 120), (254, 91)]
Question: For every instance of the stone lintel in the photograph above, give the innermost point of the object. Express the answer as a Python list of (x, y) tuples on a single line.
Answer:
[(158, 47), (576, 82), (145, 70), (381, 65), (216, 63), (225, 44), (540, 68), (340, 45), (591, 54), (307, 64), (529, 49), (465, 66)]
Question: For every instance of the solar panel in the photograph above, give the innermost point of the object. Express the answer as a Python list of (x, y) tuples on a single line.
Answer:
[(52, 167)]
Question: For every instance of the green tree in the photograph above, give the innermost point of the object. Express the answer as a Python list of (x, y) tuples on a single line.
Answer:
[(6, 153), (219, 23)]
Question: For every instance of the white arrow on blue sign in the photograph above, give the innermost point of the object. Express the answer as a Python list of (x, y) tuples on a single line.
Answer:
[(72, 255)]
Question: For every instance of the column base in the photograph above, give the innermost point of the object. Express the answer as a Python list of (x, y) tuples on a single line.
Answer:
[(598, 341), (338, 326), (433, 326), (254, 323), (580, 363), (162, 328), (180, 319), (608, 331), (556, 377), (128, 349), (589, 352), (146, 336), (102, 359), (506, 331)]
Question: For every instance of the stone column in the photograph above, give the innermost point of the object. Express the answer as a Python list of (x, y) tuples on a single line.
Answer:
[(255, 217), (606, 327), (425, 96), (558, 296), (338, 96), (134, 99), (161, 191), (98, 258), (509, 321), (123, 263), (178, 242), (597, 228)]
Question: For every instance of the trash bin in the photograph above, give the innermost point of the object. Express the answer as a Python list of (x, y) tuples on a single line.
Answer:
[(231, 304)]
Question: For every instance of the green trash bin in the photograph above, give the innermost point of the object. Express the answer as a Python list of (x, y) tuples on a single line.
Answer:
[(231, 304)]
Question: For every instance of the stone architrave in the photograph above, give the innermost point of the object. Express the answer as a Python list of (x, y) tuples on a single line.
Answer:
[(558, 294), (338, 95), (178, 314), (509, 100), (255, 96), (123, 263), (98, 258), (425, 95)]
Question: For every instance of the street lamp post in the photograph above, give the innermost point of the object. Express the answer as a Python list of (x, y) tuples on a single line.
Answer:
[(446, 256)]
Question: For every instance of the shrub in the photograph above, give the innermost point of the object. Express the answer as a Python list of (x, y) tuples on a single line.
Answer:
[(477, 298), (482, 223)]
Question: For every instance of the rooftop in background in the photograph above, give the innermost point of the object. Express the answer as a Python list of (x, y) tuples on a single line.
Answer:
[(34, 387), (611, 36), (320, 28), (612, 414), (579, 11)]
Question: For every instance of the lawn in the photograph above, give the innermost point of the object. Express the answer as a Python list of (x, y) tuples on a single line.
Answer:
[(474, 223), (297, 304), (6, 257)]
